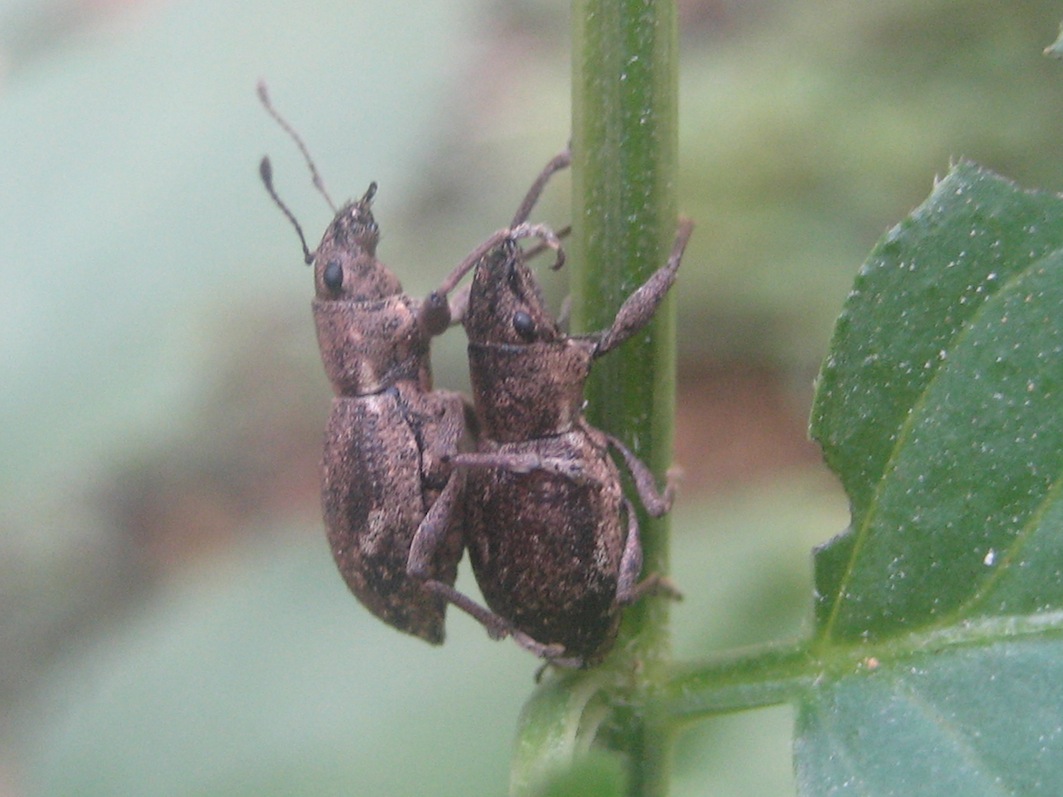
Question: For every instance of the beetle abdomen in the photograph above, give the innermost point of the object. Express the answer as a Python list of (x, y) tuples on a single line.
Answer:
[(373, 502), (546, 549)]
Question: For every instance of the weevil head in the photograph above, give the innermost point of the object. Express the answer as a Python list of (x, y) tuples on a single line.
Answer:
[(527, 375), (506, 304), (367, 328), (345, 264)]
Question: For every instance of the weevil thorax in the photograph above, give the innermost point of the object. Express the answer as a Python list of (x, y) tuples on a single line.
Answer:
[(366, 327), (527, 375)]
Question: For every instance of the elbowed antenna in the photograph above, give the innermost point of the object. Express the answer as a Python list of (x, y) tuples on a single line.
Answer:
[(319, 184), (265, 171)]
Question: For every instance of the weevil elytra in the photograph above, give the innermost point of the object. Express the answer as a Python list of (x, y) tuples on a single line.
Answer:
[(553, 541), (389, 435)]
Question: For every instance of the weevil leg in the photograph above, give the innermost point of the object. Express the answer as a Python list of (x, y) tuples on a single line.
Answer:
[(436, 314), (434, 527), (550, 652), (630, 560), (497, 628), (541, 231), (522, 463), (654, 584), (628, 588), (459, 305), (656, 503), (560, 161), (640, 306), (565, 663), (539, 248), (430, 534)]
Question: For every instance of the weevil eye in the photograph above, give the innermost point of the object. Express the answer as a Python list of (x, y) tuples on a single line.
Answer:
[(332, 276), (523, 324)]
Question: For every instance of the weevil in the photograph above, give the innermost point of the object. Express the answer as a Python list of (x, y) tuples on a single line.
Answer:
[(390, 437), (552, 538), (389, 433)]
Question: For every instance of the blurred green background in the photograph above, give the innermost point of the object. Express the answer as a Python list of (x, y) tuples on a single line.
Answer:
[(171, 621)]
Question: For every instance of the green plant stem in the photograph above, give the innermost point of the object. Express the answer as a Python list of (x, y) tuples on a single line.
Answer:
[(624, 215), (755, 678)]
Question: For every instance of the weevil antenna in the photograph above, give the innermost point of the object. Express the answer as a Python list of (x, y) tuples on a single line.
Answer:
[(319, 184), (560, 161), (265, 171), (538, 249)]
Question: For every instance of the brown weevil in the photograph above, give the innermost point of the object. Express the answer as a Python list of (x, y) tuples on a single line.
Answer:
[(389, 435), (553, 541), (390, 438)]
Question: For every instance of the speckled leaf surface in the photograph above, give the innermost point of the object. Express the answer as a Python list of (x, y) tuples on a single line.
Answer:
[(938, 610)]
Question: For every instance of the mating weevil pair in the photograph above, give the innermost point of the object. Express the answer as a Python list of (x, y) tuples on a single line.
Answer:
[(537, 501)]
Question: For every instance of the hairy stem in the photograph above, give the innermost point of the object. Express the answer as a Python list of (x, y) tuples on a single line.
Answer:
[(624, 217)]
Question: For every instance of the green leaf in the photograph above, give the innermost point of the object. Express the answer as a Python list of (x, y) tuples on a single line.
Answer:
[(938, 624), (556, 726), (980, 720), (939, 409), (599, 774)]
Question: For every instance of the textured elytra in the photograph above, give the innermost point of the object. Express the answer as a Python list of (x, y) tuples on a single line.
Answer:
[(547, 548), (376, 489)]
